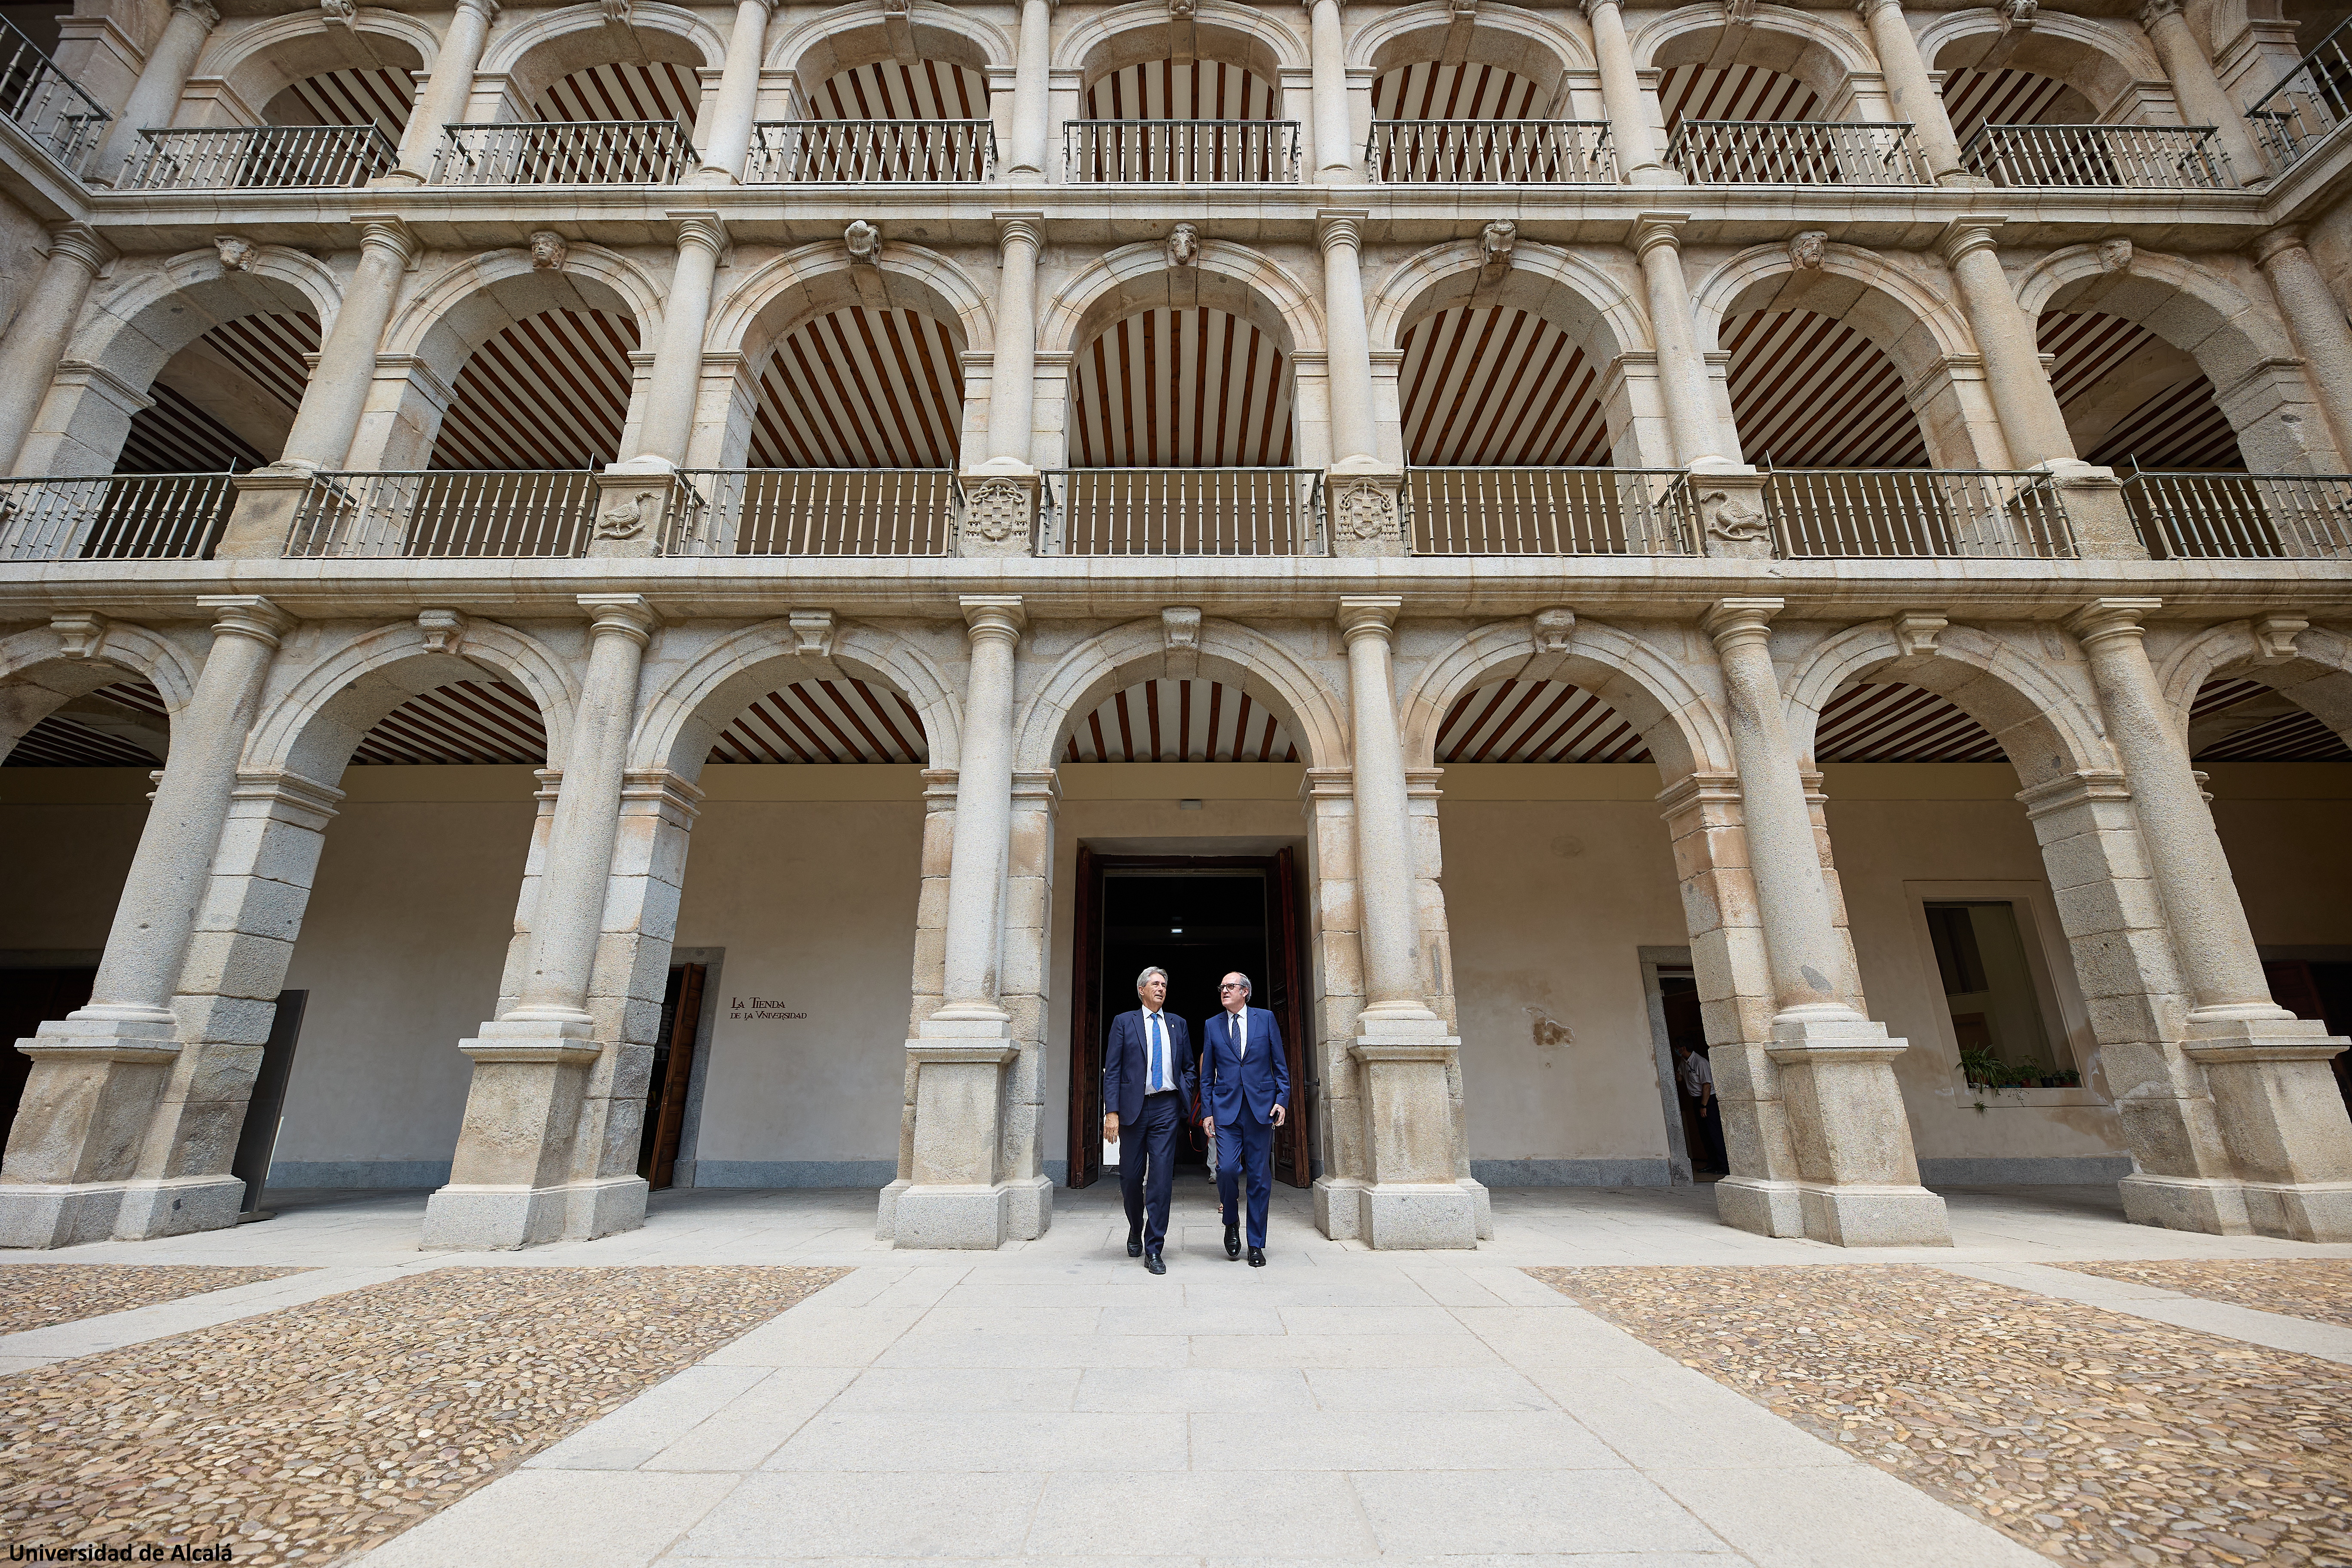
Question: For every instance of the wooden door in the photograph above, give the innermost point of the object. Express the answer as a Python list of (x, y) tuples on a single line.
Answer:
[(1086, 1028), (673, 1074), (1285, 999)]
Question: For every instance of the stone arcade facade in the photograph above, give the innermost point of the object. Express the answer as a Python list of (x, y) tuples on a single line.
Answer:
[(1719, 626)]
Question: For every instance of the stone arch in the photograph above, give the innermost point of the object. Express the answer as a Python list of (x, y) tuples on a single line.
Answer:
[(261, 61), (546, 45), (1681, 720), (1525, 43), (2316, 676), (1804, 45), (125, 339), (2044, 713), (1109, 662), (1245, 35), (37, 675), (681, 719), (2102, 62), (2258, 377), (848, 36), (1565, 289), (1138, 277), (1919, 329), (312, 727)]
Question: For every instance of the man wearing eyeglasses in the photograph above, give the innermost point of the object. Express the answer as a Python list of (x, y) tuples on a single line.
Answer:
[(1146, 1085), (1246, 1091)]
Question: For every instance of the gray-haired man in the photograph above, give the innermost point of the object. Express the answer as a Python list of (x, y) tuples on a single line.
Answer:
[(1146, 1087)]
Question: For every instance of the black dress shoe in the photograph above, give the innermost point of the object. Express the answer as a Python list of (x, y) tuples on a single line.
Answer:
[(1151, 1261), (1135, 1244), (1258, 1257), (1233, 1241)]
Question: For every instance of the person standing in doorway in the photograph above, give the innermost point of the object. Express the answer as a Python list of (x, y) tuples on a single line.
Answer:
[(1698, 1083), (1146, 1086), (1245, 1095)]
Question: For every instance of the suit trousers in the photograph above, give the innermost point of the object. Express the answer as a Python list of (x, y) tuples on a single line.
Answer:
[(1146, 1166), (1246, 1152)]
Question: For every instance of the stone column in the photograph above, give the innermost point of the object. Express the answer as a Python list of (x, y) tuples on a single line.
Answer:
[(1336, 160), (1858, 1182), (337, 391), (669, 422), (1028, 924), (37, 339), (2315, 321), (736, 106), (1012, 381), (509, 1181), (2029, 420), (1682, 368), (1915, 97), (1336, 981), (446, 90), (2281, 1120), (1032, 114), (929, 978), (99, 1074), (2198, 91), (1621, 93), (1363, 500), (155, 98), (958, 1194), (1406, 1056)]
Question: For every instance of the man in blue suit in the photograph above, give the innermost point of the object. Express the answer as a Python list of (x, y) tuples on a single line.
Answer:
[(1245, 1091), (1148, 1087)]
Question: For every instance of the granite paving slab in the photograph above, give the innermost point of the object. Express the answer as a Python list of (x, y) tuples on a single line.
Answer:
[(2091, 1437), (314, 1432), (36, 1295), (2319, 1288)]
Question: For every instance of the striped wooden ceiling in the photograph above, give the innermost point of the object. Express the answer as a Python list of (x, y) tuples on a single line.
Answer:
[(1736, 92), (1889, 721), (1536, 721), (1182, 388), (2239, 720), (847, 721), (465, 722), (1427, 90), (1810, 392), (1973, 98), (860, 389), (382, 97), (176, 435), (901, 89), (2177, 426), (661, 89), (1180, 721), (1181, 89), (1488, 386), (550, 392), (123, 725)]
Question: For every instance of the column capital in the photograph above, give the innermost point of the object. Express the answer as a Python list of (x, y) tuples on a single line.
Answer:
[(2156, 11), (1732, 622), (995, 615), (1589, 7), (387, 231), (701, 227), (1012, 227), (2117, 617), (246, 614), (620, 615), (2271, 241), (1657, 228), (1340, 226), (1867, 6), (82, 244), (1369, 615), (487, 9), (202, 10), (1969, 233)]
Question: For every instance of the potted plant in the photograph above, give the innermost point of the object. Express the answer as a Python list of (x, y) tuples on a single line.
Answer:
[(1982, 1069)]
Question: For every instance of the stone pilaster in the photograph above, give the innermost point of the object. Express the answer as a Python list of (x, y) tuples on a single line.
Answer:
[(1336, 979), (930, 979), (1026, 996)]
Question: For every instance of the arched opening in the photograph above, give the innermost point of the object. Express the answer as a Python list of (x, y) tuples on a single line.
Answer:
[(2040, 108), (226, 401), (884, 103), (1184, 102), (1472, 103), (332, 107), (602, 105), (2131, 399), (1809, 390), (549, 390), (1748, 104)]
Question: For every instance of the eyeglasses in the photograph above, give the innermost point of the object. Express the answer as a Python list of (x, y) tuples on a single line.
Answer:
[(1229, 986)]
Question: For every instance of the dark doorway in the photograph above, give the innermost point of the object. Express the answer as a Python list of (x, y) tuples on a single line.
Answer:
[(1198, 917), (1686, 1038), (256, 1141), (2320, 991), (673, 1076), (29, 998)]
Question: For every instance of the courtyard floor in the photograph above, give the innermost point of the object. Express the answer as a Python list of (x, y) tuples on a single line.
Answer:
[(1615, 1380)]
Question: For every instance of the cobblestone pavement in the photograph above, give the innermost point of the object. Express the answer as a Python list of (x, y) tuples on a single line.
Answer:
[(2092, 1437), (35, 1295), (316, 1431), (2317, 1288)]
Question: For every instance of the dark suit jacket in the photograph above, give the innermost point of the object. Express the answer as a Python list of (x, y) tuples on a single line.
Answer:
[(1260, 1077), (1127, 1064)]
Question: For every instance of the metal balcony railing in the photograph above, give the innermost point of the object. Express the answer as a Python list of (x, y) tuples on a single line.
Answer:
[(1843, 512), (2313, 99), (2242, 517), (1491, 151), (1547, 511), (808, 152), (64, 120), (1187, 152), (2128, 157), (114, 517), (259, 157), (1797, 152), (440, 512), (566, 152), (1182, 511), (812, 512)]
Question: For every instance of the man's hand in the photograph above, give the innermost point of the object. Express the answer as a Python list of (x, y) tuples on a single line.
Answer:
[(1277, 1115), (1110, 1127), (1208, 1125)]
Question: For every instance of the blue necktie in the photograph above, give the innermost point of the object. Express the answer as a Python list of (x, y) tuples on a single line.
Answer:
[(1156, 1071), (1241, 1047)]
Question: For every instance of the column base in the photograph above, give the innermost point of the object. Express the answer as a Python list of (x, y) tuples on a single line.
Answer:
[(2301, 1210), (954, 1217), (178, 1206), (2186, 1203), (606, 1206), (956, 1199), (1029, 1208), (1759, 1207), (1856, 1216), (2282, 1121), (886, 1210), (493, 1220), (1482, 1206), (1411, 1216), (43, 1215), (1339, 1208)]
